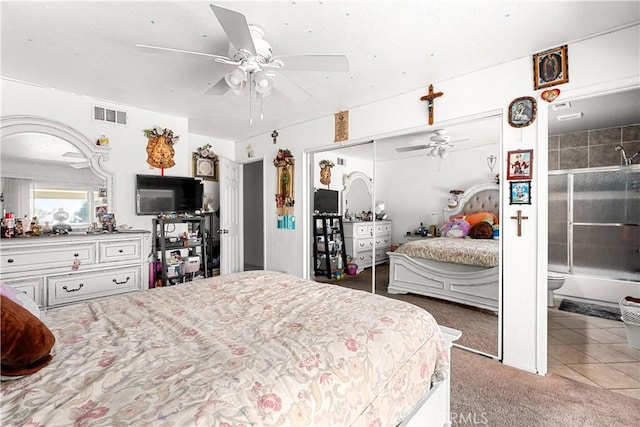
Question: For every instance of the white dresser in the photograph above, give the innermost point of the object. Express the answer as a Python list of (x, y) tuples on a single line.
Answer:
[(360, 239), (57, 270)]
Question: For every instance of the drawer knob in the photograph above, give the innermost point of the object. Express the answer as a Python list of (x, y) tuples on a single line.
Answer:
[(10, 260), (120, 251), (73, 290), (120, 283), (76, 255)]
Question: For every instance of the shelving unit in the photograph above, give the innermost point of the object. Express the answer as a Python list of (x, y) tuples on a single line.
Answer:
[(161, 244), (328, 245)]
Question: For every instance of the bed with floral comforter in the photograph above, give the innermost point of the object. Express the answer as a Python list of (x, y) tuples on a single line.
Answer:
[(255, 348)]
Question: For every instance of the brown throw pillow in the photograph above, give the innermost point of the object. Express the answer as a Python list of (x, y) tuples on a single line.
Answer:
[(482, 230), (26, 342)]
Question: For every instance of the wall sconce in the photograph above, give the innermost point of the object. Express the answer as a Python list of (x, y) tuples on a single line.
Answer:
[(491, 162)]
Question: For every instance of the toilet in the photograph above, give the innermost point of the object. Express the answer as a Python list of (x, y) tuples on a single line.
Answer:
[(554, 282)]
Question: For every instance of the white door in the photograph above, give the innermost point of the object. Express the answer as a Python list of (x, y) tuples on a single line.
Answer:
[(229, 217)]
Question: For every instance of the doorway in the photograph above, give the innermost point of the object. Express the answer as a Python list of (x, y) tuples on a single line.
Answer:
[(253, 215), (593, 216)]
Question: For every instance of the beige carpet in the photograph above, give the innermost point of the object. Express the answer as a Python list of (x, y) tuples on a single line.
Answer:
[(479, 327), (486, 392)]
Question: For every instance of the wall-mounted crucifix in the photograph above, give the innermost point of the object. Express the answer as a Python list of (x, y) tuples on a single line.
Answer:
[(519, 218), (429, 98)]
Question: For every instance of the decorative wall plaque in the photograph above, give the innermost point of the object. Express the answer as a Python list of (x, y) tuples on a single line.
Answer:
[(342, 126)]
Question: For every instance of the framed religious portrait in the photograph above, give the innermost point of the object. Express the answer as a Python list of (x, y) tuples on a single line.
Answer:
[(519, 165), (522, 112), (550, 68), (206, 168), (520, 193)]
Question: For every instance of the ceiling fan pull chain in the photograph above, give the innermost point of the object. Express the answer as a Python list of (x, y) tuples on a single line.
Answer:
[(250, 113), (261, 115)]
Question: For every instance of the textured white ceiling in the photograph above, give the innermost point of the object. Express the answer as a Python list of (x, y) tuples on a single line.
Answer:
[(392, 46)]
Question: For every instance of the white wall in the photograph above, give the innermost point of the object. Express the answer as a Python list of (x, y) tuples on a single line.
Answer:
[(128, 143), (524, 257)]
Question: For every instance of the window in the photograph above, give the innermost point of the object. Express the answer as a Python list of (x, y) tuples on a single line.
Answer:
[(79, 205)]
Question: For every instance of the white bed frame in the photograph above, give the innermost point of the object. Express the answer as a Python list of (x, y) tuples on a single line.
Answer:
[(475, 286), (435, 409)]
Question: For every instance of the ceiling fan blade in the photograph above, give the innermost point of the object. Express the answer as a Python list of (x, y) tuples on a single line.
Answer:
[(289, 88), (411, 148), (220, 88), (156, 49), (236, 27), (314, 62)]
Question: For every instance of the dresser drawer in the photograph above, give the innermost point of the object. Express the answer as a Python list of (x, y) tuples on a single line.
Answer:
[(31, 287), (364, 230), (120, 250), (363, 245), (25, 259), (383, 228), (383, 241), (76, 287)]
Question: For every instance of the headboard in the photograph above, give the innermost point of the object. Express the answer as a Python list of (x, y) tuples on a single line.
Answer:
[(478, 198)]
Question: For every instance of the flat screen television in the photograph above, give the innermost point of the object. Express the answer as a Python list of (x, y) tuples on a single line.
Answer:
[(325, 201), (164, 194)]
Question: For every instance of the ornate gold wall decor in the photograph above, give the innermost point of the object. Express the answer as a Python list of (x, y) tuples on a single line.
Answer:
[(342, 126), (160, 150), (284, 162), (325, 172)]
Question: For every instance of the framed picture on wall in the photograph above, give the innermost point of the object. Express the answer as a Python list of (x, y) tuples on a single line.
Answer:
[(522, 112), (520, 193), (205, 168), (519, 165), (550, 68)]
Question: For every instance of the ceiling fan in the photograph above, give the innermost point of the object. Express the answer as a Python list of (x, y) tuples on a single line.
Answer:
[(252, 65), (438, 144)]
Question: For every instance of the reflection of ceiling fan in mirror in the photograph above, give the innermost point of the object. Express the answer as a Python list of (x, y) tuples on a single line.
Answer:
[(250, 61), (438, 144)]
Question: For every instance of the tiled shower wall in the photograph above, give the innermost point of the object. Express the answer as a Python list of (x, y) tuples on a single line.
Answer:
[(593, 148)]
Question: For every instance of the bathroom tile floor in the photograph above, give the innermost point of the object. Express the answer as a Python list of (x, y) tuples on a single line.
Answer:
[(593, 351)]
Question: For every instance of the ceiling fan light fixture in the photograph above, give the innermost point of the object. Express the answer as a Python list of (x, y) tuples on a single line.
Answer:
[(236, 77), (261, 79), (233, 82)]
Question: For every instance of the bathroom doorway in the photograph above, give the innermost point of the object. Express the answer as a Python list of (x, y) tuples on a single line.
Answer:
[(593, 226)]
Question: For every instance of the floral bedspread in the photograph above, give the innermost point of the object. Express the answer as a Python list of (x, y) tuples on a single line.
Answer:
[(478, 252), (254, 348)]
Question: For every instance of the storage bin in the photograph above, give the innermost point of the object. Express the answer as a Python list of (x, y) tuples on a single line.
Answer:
[(631, 317), (174, 269), (191, 264)]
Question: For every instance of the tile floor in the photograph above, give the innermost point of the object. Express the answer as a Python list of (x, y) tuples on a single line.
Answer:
[(593, 351)]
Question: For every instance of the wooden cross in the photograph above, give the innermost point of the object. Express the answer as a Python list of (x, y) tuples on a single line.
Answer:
[(429, 98), (519, 218)]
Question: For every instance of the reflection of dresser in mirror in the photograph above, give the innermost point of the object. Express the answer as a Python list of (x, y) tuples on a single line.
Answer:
[(366, 242)]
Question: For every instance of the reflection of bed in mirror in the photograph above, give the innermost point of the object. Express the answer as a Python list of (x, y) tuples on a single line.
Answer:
[(455, 279)]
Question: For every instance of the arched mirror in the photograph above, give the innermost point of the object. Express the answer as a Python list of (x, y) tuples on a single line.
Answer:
[(53, 172), (357, 194)]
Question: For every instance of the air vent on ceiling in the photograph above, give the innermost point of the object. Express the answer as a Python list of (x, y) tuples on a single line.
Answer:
[(569, 117), (110, 116), (561, 106)]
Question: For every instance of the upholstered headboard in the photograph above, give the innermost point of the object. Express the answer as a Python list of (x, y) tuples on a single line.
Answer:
[(478, 198)]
